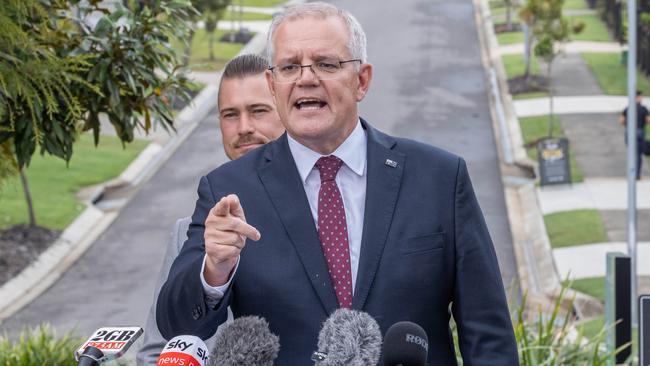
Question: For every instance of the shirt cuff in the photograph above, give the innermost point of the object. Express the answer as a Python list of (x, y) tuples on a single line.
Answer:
[(214, 294)]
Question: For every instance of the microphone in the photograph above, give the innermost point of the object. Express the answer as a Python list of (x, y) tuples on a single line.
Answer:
[(405, 344), (106, 344), (246, 341), (350, 338), (184, 350)]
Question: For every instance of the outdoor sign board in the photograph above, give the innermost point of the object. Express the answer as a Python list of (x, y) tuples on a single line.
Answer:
[(553, 158)]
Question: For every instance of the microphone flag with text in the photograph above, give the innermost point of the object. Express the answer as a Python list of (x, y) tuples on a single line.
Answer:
[(184, 350), (106, 344), (348, 337)]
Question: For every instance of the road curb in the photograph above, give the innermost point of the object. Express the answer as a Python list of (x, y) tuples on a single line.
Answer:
[(92, 222)]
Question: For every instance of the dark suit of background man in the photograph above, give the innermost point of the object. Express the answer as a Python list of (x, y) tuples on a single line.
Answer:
[(642, 119), (341, 215)]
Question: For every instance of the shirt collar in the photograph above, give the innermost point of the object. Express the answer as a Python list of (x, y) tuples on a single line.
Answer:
[(352, 151)]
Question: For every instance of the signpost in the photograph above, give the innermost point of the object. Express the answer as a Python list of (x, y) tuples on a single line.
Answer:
[(553, 158), (644, 330)]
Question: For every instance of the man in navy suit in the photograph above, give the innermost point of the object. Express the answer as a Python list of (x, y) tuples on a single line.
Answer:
[(337, 214)]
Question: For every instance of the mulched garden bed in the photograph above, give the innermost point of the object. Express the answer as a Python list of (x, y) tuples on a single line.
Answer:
[(535, 83), (20, 245)]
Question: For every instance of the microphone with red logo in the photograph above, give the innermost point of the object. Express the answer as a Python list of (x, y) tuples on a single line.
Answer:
[(106, 344), (184, 350)]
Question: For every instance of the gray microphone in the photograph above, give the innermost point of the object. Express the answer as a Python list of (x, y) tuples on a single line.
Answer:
[(246, 341), (350, 338)]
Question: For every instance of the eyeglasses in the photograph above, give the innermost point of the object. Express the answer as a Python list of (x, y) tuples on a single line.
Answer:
[(324, 70)]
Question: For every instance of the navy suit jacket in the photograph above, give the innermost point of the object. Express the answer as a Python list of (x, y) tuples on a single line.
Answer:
[(425, 250)]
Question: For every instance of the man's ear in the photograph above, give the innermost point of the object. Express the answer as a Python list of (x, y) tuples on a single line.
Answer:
[(365, 77), (269, 80)]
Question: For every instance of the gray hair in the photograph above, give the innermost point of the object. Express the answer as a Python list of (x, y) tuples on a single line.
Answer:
[(356, 42)]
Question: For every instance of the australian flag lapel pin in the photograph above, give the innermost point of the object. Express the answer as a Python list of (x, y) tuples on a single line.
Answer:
[(391, 163)]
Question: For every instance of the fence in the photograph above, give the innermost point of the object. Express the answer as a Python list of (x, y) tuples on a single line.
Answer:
[(613, 12)]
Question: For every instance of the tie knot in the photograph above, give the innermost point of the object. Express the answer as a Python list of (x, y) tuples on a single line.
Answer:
[(328, 166)]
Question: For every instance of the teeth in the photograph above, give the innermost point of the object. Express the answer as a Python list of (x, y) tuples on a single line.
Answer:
[(309, 104)]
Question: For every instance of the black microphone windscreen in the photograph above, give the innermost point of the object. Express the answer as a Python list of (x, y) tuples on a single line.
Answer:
[(350, 338), (246, 341), (405, 344)]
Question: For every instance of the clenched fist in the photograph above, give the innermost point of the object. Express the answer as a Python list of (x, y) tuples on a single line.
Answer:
[(225, 235)]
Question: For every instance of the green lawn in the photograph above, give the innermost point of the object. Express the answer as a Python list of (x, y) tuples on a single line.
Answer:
[(53, 186), (595, 29), (575, 4), (592, 327), (534, 128), (514, 65), (199, 59), (612, 75), (510, 38), (229, 15), (594, 286), (261, 3), (530, 95), (575, 227)]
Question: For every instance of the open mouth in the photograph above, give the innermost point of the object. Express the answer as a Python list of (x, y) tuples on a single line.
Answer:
[(305, 104)]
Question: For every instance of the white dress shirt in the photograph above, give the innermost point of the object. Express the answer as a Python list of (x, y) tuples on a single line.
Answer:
[(351, 180)]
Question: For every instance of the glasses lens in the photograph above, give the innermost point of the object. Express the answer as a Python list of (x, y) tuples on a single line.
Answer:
[(324, 70)]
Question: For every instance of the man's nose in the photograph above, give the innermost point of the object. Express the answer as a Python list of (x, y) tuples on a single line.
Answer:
[(307, 77), (245, 125)]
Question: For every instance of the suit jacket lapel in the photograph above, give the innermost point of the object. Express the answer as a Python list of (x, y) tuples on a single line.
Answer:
[(285, 189), (384, 176)]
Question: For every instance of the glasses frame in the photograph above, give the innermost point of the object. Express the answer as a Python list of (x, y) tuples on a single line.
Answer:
[(298, 75)]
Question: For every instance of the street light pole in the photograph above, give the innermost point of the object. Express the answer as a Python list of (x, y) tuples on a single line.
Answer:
[(631, 151)]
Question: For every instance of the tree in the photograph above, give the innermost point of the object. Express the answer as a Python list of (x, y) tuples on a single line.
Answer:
[(529, 14), (510, 6), (551, 30), (214, 12), (58, 74), (210, 11)]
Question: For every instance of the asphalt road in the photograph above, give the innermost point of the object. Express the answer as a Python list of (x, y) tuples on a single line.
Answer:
[(428, 85)]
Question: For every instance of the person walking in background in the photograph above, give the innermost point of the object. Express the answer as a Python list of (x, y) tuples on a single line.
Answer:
[(642, 119)]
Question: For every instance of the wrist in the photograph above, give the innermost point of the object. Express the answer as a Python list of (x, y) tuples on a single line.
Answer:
[(218, 274)]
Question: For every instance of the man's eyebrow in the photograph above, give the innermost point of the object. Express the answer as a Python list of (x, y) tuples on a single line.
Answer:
[(318, 57), (225, 110), (257, 105)]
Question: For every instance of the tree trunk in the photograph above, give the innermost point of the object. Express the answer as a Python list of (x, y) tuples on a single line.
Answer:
[(211, 43), (550, 100), (509, 6), (187, 52), (527, 52), (28, 197)]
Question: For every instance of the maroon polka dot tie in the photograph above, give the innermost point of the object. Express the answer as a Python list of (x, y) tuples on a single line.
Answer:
[(333, 229)]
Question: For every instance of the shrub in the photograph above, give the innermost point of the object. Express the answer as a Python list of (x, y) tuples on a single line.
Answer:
[(39, 347)]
